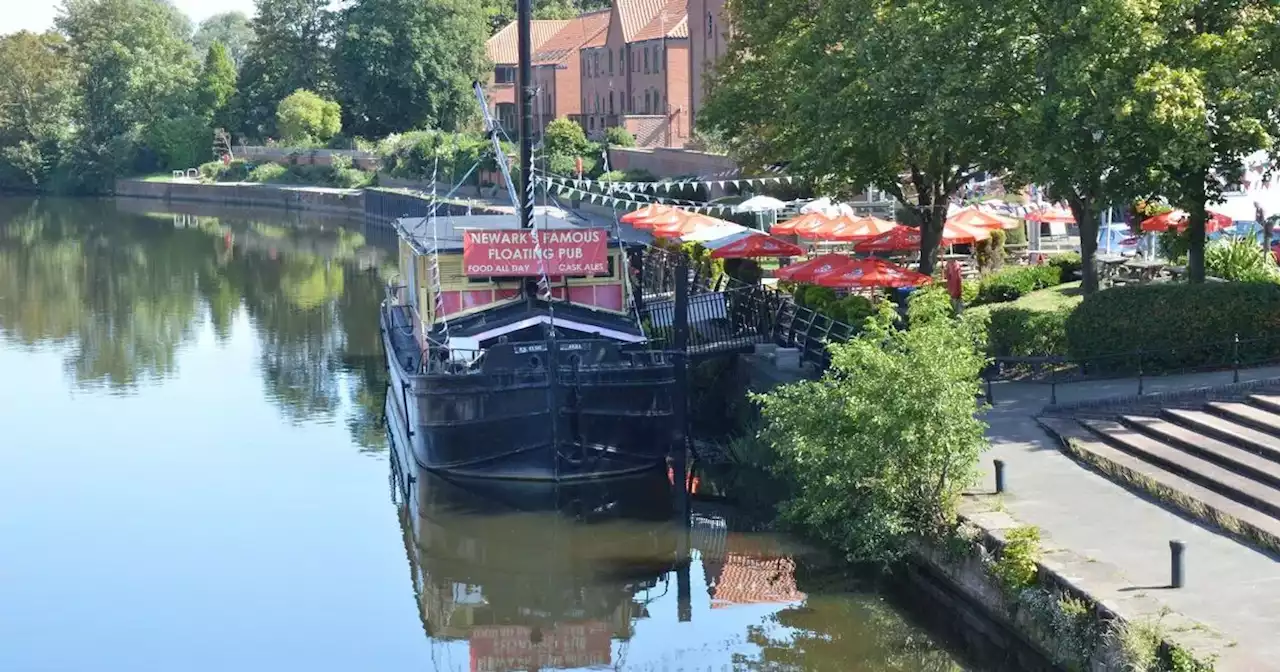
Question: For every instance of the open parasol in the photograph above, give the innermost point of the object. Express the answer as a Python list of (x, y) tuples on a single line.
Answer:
[(907, 238), (872, 273), (806, 271), (1178, 219), (647, 212), (756, 245)]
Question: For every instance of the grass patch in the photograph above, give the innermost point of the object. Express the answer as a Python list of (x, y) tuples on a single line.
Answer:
[(1065, 296), (156, 177)]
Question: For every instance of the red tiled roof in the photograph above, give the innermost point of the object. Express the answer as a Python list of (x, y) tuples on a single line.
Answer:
[(577, 33), (504, 47), (753, 580), (664, 18)]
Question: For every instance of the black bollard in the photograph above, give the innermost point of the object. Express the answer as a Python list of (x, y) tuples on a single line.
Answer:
[(1176, 551), (999, 476)]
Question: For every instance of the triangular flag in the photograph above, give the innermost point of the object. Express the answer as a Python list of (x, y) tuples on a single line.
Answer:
[(737, 183)]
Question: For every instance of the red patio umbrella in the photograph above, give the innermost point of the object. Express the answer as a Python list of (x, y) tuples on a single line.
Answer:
[(670, 218), (759, 245), (907, 238), (974, 217), (686, 225), (788, 228), (1178, 219), (806, 271), (873, 273), (648, 211), (862, 228), (813, 222), (1052, 216)]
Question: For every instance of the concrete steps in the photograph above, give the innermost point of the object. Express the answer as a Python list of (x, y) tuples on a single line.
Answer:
[(1220, 462)]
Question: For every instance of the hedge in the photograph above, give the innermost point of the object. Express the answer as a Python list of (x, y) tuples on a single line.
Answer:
[(1018, 332), (1016, 281), (1176, 326)]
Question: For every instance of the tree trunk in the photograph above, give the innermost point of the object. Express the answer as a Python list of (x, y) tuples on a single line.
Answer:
[(931, 223), (1196, 235), (1086, 214)]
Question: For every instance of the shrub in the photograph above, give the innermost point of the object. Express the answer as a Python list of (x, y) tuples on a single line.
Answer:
[(268, 173), (1014, 282), (1176, 326), (868, 475), (1174, 245), (1017, 567), (304, 117), (1240, 259), (179, 143), (212, 171), (613, 176), (1013, 331), (990, 252), (618, 136), (1068, 265), (1016, 236)]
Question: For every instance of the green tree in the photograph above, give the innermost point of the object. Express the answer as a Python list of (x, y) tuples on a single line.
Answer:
[(134, 68), (36, 90), (1213, 98), (232, 29), (1080, 134), (563, 142), (291, 50), (908, 97), (866, 474), (405, 64), (217, 85), (305, 118)]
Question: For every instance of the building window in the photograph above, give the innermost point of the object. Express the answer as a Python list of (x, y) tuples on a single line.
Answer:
[(504, 74), (610, 102), (646, 59), (710, 25), (664, 59), (622, 61), (591, 123), (595, 63), (646, 101), (611, 61)]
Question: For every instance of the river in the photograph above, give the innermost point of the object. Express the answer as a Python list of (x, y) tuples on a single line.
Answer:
[(196, 474)]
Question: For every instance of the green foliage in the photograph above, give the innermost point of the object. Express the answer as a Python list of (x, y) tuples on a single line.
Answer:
[(1016, 281), (270, 173), (291, 50), (135, 70), (179, 143), (217, 85), (36, 92), (1019, 332), (618, 136), (1175, 326), (990, 252), (405, 64), (1017, 566), (1067, 263), (563, 143), (231, 29), (1174, 245), (923, 93), (868, 475), (1240, 259), (305, 117)]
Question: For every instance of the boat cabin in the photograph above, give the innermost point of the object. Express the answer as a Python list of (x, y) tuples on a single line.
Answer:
[(482, 262)]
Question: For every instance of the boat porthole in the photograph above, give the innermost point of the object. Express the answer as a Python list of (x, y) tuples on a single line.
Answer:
[(535, 362), (575, 360)]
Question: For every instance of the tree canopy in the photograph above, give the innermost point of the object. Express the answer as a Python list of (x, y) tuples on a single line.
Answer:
[(217, 85), (291, 50), (304, 118), (406, 64), (232, 29), (36, 93), (911, 98)]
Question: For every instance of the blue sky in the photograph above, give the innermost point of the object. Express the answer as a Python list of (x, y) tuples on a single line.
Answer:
[(37, 15)]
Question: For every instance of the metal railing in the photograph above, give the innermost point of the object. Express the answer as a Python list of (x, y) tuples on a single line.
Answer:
[(1138, 365)]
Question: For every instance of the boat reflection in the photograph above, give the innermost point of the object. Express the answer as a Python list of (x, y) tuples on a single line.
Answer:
[(534, 575)]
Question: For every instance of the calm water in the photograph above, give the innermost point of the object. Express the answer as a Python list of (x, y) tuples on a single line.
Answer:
[(195, 474)]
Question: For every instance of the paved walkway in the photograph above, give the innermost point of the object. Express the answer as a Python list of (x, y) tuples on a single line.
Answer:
[(1229, 587)]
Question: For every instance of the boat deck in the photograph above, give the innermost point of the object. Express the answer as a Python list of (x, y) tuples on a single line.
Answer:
[(402, 340)]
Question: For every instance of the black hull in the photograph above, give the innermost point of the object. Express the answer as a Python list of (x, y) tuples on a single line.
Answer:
[(599, 413)]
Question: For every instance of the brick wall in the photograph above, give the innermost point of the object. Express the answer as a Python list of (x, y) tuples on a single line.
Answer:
[(669, 162), (649, 130)]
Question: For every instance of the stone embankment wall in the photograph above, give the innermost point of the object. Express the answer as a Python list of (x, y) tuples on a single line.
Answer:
[(1078, 613), (308, 199)]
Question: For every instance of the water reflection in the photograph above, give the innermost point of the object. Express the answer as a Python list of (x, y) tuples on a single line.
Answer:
[(514, 577), (124, 291)]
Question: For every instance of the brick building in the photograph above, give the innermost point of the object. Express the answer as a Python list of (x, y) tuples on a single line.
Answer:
[(557, 67), (638, 77), (503, 49), (709, 33)]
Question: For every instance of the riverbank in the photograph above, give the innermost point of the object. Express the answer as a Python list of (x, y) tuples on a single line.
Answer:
[(377, 204)]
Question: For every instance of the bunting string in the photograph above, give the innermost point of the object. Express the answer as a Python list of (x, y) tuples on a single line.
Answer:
[(669, 185)]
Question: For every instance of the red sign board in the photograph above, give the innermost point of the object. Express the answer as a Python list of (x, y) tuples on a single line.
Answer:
[(555, 252), (503, 648)]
